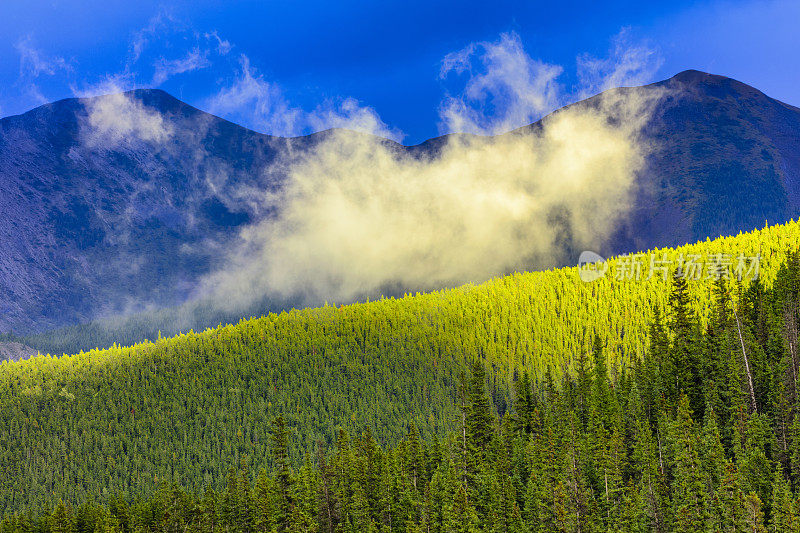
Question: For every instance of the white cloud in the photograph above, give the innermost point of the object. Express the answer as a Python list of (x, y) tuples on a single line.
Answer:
[(261, 104), (34, 63), (156, 28), (195, 59), (627, 65), (223, 46), (358, 217), (505, 89), (116, 117), (261, 100)]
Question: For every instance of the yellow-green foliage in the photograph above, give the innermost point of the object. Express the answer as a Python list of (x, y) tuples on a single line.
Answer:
[(123, 418)]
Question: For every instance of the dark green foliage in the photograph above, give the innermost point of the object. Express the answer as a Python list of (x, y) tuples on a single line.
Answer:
[(587, 453), (699, 434)]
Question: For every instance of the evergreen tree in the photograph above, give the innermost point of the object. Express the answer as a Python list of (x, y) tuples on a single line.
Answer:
[(283, 478), (477, 426), (264, 513), (524, 404), (754, 514), (62, 519), (784, 514), (461, 516), (689, 497), (727, 512), (686, 374)]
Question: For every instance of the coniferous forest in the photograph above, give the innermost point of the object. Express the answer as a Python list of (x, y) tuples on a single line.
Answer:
[(700, 433), (386, 267)]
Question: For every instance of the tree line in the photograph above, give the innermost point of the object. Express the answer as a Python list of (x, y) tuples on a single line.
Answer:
[(702, 433)]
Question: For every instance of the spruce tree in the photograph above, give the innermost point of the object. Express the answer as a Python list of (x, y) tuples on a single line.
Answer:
[(524, 404), (62, 519), (784, 515), (684, 356), (689, 496), (283, 478)]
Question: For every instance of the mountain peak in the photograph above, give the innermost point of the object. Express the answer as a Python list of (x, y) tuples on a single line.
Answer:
[(156, 98), (724, 158), (696, 76), (714, 84)]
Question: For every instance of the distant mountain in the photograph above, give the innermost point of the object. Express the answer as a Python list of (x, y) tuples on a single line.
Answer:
[(15, 351), (726, 159), (91, 226), (94, 221)]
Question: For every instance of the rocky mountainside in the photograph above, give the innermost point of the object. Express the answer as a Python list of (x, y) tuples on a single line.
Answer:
[(726, 159), (14, 351), (97, 219), (120, 203)]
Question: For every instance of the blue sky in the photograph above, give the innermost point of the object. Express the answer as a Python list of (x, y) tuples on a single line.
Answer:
[(385, 55)]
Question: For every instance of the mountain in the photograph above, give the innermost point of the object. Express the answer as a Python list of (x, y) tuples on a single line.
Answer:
[(726, 159), (100, 216), (91, 226), (15, 351)]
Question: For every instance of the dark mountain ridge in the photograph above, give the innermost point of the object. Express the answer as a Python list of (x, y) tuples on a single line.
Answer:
[(96, 221)]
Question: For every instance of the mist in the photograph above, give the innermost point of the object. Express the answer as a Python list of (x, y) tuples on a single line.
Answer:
[(360, 216)]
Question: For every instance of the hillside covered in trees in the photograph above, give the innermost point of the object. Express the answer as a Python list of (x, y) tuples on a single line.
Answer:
[(701, 434), (128, 423)]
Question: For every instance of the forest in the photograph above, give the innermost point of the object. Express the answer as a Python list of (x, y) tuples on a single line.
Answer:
[(700, 434), (584, 379)]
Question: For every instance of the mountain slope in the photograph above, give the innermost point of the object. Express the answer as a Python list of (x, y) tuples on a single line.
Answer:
[(207, 397), (92, 226), (589, 432), (15, 351), (184, 408), (726, 158), (96, 225)]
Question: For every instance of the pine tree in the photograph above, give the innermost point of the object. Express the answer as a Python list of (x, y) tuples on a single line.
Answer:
[(524, 404), (718, 352), (306, 488), (479, 416), (477, 426), (633, 517), (361, 516), (283, 478), (657, 374), (689, 498), (574, 500), (650, 479), (263, 511), (727, 510), (328, 506), (208, 518), (754, 514), (62, 519), (120, 510), (444, 484), (461, 516), (683, 353), (751, 451), (544, 454), (237, 503), (784, 514), (583, 386), (712, 452), (602, 397)]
